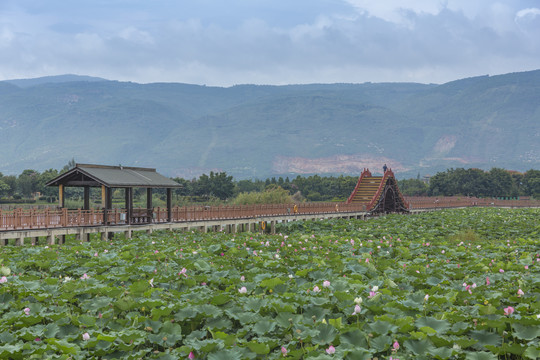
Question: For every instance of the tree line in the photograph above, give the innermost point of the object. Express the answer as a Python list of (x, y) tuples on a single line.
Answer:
[(222, 187), (311, 188), (496, 182), (30, 186)]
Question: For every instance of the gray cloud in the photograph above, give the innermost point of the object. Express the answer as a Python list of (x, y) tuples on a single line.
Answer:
[(276, 42)]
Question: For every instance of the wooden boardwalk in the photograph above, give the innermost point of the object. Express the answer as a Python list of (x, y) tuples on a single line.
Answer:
[(55, 224)]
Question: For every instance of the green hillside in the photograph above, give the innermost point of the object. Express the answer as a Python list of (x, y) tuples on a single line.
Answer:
[(259, 131)]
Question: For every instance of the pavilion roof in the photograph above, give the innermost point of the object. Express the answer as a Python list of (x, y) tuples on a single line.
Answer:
[(113, 177)]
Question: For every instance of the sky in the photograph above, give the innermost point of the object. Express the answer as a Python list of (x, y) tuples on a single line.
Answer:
[(224, 43)]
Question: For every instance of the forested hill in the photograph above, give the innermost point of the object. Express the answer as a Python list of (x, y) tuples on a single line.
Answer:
[(260, 131)]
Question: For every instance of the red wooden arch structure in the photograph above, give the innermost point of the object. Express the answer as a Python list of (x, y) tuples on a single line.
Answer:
[(378, 194)]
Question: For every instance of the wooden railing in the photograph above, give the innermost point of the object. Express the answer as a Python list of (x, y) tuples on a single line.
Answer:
[(20, 219), (423, 202)]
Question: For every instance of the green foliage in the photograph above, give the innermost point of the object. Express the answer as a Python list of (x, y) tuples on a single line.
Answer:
[(218, 185), (272, 195), (475, 182), (531, 183), (467, 235), (317, 188), (4, 188), (245, 295), (413, 187)]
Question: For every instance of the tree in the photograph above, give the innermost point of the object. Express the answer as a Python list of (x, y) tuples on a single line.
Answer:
[(185, 190), (70, 165), (531, 183), (439, 184), (221, 185), (517, 184), (28, 182), (413, 187), (499, 182), (44, 178), (4, 188), (218, 185), (247, 186), (10, 181)]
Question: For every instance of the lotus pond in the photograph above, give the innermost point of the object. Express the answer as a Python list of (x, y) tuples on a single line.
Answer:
[(456, 284)]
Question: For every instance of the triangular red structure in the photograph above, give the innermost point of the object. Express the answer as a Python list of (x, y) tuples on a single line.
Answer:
[(379, 194)]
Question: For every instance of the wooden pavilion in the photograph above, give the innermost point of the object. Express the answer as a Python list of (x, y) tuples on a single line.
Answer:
[(109, 178)]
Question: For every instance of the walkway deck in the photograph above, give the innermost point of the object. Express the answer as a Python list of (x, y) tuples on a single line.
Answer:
[(57, 223)]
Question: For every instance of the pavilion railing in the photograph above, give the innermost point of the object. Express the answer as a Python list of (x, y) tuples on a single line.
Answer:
[(20, 219)]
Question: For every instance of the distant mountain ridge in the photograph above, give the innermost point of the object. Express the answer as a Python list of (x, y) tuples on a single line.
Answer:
[(259, 131), (24, 83)]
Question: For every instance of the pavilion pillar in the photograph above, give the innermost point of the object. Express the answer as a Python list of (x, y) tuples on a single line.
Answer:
[(106, 201), (149, 207), (169, 205), (86, 198), (129, 205), (61, 196), (109, 197)]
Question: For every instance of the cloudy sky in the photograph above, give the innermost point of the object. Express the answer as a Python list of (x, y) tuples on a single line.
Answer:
[(218, 42)]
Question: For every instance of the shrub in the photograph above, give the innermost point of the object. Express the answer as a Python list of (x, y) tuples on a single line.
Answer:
[(272, 195)]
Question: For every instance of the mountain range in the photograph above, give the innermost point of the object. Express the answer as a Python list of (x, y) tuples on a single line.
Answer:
[(256, 131)]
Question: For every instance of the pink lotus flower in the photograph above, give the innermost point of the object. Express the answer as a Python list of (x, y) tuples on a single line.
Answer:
[(331, 350), (357, 310), (509, 310), (84, 277), (191, 355), (242, 278), (487, 281), (27, 311), (395, 345), (316, 289), (520, 292), (151, 281), (3, 279), (426, 298), (86, 336), (501, 271), (242, 290), (284, 351), (526, 267), (183, 272), (326, 283)]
